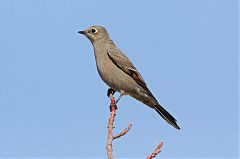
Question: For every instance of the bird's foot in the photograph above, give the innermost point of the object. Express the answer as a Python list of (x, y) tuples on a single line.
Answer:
[(113, 106), (110, 91)]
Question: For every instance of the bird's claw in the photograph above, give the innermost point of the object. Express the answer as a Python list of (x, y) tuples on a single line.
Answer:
[(110, 91), (113, 106)]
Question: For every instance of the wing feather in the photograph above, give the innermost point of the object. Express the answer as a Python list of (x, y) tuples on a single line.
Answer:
[(126, 65), (123, 62)]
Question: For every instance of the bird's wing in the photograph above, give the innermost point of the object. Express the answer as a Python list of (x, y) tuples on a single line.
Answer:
[(122, 62)]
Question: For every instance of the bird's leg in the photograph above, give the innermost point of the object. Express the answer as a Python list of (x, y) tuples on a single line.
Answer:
[(121, 94)]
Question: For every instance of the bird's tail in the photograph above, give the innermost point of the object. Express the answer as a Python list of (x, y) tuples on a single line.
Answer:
[(167, 116)]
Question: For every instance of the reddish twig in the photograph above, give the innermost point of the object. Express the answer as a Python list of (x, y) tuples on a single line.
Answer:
[(110, 138), (156, 151), (123, 132), (110, 127)]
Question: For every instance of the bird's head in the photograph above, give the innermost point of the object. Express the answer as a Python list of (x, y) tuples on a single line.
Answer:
[(95, 33)]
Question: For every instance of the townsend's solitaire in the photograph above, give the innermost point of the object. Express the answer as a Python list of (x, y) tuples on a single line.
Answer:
[(118, 72)]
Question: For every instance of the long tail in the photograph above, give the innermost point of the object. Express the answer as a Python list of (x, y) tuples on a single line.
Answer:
[(167, 116)]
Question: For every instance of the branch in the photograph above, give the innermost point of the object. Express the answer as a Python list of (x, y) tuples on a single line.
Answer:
[(156, 151), (123, 132), (110, 138), (113, 109)]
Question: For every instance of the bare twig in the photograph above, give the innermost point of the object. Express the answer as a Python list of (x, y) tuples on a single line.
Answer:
[(123, 132), (110, 138), (113, 108), (156, 151), (110, 127)]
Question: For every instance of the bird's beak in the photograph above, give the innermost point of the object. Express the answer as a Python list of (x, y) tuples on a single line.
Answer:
[(81, 32)]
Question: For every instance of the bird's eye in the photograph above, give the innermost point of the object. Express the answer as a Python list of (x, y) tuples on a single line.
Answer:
[(94, 30)]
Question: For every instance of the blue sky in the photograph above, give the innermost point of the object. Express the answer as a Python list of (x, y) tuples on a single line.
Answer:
[(53, 103)]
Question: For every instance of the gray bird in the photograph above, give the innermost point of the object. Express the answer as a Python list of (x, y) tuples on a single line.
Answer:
[(118, 72)]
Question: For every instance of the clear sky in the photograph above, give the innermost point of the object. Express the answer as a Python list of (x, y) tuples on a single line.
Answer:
[(53, 103)]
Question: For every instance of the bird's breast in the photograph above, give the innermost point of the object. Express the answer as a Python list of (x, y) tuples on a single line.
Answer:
[(113, 76)]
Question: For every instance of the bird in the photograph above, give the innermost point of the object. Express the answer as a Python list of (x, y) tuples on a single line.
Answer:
[(119, 73)]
